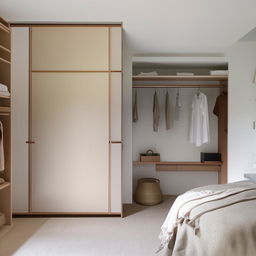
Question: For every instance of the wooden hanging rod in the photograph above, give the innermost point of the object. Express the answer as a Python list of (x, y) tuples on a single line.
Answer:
[(179, 86)]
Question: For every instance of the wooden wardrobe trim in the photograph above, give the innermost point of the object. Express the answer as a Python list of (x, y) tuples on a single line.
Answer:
[(109, 121), (109, 71), (30, 123), (67, 214), (75, 71), (65, 25)]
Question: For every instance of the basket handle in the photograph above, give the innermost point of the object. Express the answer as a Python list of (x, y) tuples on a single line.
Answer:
[(149, 152)]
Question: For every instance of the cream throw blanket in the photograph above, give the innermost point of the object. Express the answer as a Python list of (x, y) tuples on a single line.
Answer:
[(187, 202)]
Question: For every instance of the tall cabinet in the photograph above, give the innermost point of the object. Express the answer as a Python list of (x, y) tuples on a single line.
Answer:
[(71, 106)]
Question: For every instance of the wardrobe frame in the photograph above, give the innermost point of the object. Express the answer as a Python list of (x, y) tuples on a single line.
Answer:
[(30, 142)]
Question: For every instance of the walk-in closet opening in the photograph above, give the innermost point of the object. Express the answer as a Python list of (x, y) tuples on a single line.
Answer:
[(163, 122)]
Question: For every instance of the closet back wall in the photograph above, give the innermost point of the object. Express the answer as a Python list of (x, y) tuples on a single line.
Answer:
[(173, 145)]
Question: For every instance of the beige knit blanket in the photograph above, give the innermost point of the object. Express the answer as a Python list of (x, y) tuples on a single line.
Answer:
[(200, 213)]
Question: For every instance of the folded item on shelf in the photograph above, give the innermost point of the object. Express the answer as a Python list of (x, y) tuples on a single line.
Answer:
[(184, 74), (3, 88), (218, 72), (153, 73), (5, 93), (2, 219), (2, 181)]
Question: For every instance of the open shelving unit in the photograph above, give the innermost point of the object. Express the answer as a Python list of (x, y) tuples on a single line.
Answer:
[(195, 81), (5, 118)]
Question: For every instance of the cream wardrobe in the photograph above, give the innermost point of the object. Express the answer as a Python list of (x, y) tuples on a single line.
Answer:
[(67, 118)]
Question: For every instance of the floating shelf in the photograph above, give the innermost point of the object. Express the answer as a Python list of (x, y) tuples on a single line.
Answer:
[(190, 81), (180, 78), (184, 166), (5, 185), (179, 86), (178, 163)]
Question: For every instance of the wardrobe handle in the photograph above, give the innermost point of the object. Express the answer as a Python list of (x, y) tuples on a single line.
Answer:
[(30, 142)]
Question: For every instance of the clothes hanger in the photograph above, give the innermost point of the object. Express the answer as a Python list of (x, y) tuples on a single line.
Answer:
[(198, 92)]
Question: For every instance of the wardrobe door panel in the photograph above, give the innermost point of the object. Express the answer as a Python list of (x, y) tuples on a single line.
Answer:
[(116, 106), (116, 167), (70, 128), (19, 118), (70, 48), (116, 48)]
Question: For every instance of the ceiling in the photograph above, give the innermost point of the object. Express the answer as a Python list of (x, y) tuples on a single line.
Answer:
[(152, 27)]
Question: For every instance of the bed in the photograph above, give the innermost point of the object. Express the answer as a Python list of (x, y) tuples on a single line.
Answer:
[(212, 220)]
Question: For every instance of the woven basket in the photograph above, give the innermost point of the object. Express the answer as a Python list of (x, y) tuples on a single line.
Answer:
[(148, 192)]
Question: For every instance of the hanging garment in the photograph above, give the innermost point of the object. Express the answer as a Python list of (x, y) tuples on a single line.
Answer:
[(199, 126), (1, 147), (168, 117), (177, 106), (135, 117), (156, 113)]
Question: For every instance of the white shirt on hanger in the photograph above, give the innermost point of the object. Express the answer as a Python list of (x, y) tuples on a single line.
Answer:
[(199, 126)]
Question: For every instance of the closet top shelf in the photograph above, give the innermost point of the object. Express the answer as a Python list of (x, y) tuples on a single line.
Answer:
[(181, 78)]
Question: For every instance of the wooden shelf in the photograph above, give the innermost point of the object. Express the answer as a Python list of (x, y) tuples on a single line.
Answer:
[(180, 78), (179, 85), (4, 97), (5, 61), (184, 166), (5, 185), (178, 163), (4, 27), (5, 109), (190, 81), (4, 49)]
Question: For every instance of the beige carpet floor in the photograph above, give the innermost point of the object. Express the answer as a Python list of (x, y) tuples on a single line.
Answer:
[(134, 235)]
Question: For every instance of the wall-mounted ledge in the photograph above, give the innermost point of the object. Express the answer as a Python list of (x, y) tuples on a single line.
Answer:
[(184, 166)]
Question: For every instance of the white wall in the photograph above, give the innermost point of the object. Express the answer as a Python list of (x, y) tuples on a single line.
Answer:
[(127, 123), (173, 145), (242, 110)]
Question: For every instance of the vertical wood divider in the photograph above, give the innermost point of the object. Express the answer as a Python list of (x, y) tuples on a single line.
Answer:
[(109, 119), (30, 123)]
